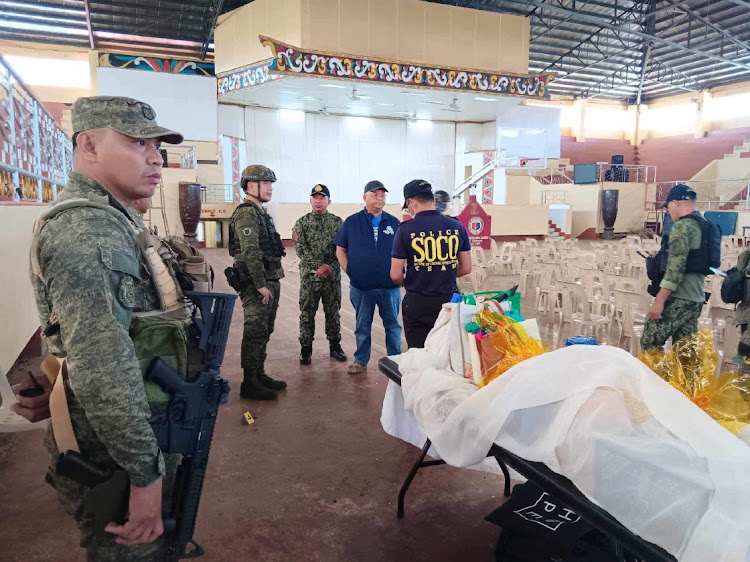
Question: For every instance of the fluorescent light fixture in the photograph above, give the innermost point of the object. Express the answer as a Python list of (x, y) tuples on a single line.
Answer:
[(420, 94), (309, 98), (480, 98), (409, 113), (333, 86), (364, 97), (433, 102), (386, 104)]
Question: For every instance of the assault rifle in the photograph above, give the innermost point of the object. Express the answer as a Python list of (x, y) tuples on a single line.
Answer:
[(186, 426)]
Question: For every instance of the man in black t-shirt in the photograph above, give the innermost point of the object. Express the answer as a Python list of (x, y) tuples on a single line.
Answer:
[(435, 250)]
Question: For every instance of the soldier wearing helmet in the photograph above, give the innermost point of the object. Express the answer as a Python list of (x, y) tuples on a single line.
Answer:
[(257, 251)]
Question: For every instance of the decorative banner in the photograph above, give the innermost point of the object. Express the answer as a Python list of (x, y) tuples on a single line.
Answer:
[(154, 64), (254, 75), (293, 61), (235, 167), (488, 181), (477, 222)]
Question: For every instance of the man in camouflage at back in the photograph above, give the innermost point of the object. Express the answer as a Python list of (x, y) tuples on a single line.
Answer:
[(92, 277), (320, 274), (681, 295), (257, 250)]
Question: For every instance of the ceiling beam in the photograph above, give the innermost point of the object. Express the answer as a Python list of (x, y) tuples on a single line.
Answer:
[(650, 25), (594, 18), (728, 36), (213, 15), (631, 74), (92, 44), (742, 3)]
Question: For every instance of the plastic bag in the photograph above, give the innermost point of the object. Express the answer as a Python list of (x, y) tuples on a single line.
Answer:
[(690, 367), (505, 344)]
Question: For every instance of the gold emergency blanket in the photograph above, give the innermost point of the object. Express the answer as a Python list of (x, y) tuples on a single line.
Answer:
[(690, 367), (505, 345)]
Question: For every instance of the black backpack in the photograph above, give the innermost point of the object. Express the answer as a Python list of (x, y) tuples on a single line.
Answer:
[(709, 254), (733, 286)]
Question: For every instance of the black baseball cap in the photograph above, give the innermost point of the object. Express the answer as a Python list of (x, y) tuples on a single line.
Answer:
[(374, 185), (680, 192), (416, 187), (320, 189)]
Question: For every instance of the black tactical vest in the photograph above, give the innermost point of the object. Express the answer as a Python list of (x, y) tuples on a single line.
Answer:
[(268, 239)]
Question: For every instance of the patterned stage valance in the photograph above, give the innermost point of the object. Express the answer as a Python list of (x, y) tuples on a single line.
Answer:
[(289, 60), (253, 75)]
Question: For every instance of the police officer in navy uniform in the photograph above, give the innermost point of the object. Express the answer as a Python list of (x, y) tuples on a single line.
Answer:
[(435, 250)]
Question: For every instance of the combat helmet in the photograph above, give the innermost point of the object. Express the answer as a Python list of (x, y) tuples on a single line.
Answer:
[(256, 172)]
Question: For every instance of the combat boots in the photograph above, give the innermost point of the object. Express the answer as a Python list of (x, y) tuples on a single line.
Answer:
[(268, 382), (337, 353), (305, 356), (252, 389)]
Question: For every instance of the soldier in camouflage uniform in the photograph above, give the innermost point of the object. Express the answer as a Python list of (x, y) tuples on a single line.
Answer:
[(680, 299), (320, 274), (91, 276), (257, 250)]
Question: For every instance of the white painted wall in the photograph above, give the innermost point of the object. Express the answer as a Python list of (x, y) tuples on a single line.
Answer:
[(344, 153), (232, 121), (17, 303), (186, 104), (538, 134)]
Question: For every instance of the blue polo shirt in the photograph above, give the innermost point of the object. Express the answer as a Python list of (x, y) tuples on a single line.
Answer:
[(430, 244), (368, 244)]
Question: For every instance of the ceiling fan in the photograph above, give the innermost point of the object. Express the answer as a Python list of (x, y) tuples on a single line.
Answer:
[(454, 107)]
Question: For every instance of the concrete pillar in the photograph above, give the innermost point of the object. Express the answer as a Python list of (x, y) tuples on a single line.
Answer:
[(579, 129), (701, 125)]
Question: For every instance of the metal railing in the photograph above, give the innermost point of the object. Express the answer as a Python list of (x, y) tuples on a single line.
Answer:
[(185, 155), (729, 194), (552, 197), (35, 153), (220, 193), (637, 173), (551, 176)]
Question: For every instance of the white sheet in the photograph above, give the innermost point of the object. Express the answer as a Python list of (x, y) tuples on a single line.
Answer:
[(629, 441)]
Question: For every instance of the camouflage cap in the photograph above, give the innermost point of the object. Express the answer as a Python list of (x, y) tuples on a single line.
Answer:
[(256, 172), (125, 115)]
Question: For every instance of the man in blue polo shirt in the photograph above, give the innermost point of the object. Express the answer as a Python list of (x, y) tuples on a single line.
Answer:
[(363, 248), (435, 250)]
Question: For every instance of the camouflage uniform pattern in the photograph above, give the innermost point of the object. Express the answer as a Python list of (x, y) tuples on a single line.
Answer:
[(679, 320), (684, 236), (94, 279), (313, 240), (250, 225), (683, 307), (124, 115)]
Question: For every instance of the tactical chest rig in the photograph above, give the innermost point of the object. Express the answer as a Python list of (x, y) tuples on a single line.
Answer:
[(699, 260), (271, 247), (183, 413)]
